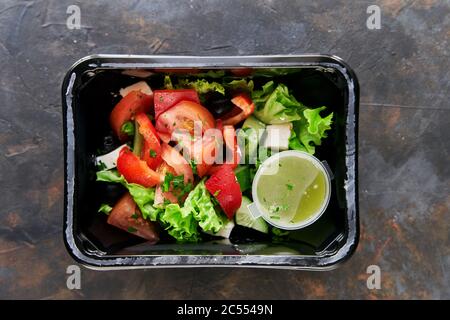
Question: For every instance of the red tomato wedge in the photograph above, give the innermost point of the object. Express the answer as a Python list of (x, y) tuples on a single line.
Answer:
[(185, 115), (232, 160), (163, 169), (133, 103), (126, 216), (151, 151), (135, 170), (175, 160), (199, 150), (245, 104), (224, 187), (166, 99)]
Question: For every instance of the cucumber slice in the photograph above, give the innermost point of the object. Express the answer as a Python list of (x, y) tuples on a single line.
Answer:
[(244, 218), (243, 177)]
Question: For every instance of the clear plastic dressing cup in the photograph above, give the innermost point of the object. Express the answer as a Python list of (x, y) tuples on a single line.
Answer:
[(303, 167)]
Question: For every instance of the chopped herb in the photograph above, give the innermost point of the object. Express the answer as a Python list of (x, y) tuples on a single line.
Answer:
[(275, 217), (289, 186), (187, 188), (279, 164), (105, 208), (135, 216), (128, 128), (275, 208), (178, 182), (193, 166), (166, 183), (131, 229), (152, 153), (101, 166), (265, 200), (216, 193)]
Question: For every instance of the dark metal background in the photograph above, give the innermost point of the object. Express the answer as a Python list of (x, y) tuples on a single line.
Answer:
[(403, 138)]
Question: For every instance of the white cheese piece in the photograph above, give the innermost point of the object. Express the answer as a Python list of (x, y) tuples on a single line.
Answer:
[(277, 136), (225, 231), (109, 160), (137, 73), (141, 86)]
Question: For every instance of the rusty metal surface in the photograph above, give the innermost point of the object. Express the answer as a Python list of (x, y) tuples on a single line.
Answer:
[(404, 138)]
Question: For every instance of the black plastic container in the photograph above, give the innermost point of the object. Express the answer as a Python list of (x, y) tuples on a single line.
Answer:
[(87, 99)]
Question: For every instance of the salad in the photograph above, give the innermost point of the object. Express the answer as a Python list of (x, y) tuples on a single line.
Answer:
[(188, 150)]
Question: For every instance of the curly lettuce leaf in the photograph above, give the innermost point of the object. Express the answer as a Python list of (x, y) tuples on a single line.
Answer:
[(144, 197), (308, 132), (202, 86), (275, 104), (240, 85), (180, 223), (199, 203)]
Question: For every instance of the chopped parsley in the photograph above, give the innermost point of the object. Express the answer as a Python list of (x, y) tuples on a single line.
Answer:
[(135, 216), (152, 153), (101, 166), (278, 208), (166, 183), (289, 186), (131, 229), (128, 128), (216, 193), (177, 183), (193, 166)]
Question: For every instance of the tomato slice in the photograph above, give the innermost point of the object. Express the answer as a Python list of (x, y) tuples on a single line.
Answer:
[(133, 103), (135, 170), (224, 187), (175, 160), (126, 216), (185, 115), (200, 150), (166, 99), (151, 152), (245, 104), (163, 169), (230, 138)]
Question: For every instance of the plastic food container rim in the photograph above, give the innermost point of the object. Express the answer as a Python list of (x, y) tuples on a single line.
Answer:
[(300, 262)]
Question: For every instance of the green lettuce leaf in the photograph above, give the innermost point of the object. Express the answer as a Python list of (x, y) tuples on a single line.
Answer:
[(276, 104), (200, 205), (202, 86), (242, 85), (308, 132), (144, 197), (180, 223)]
